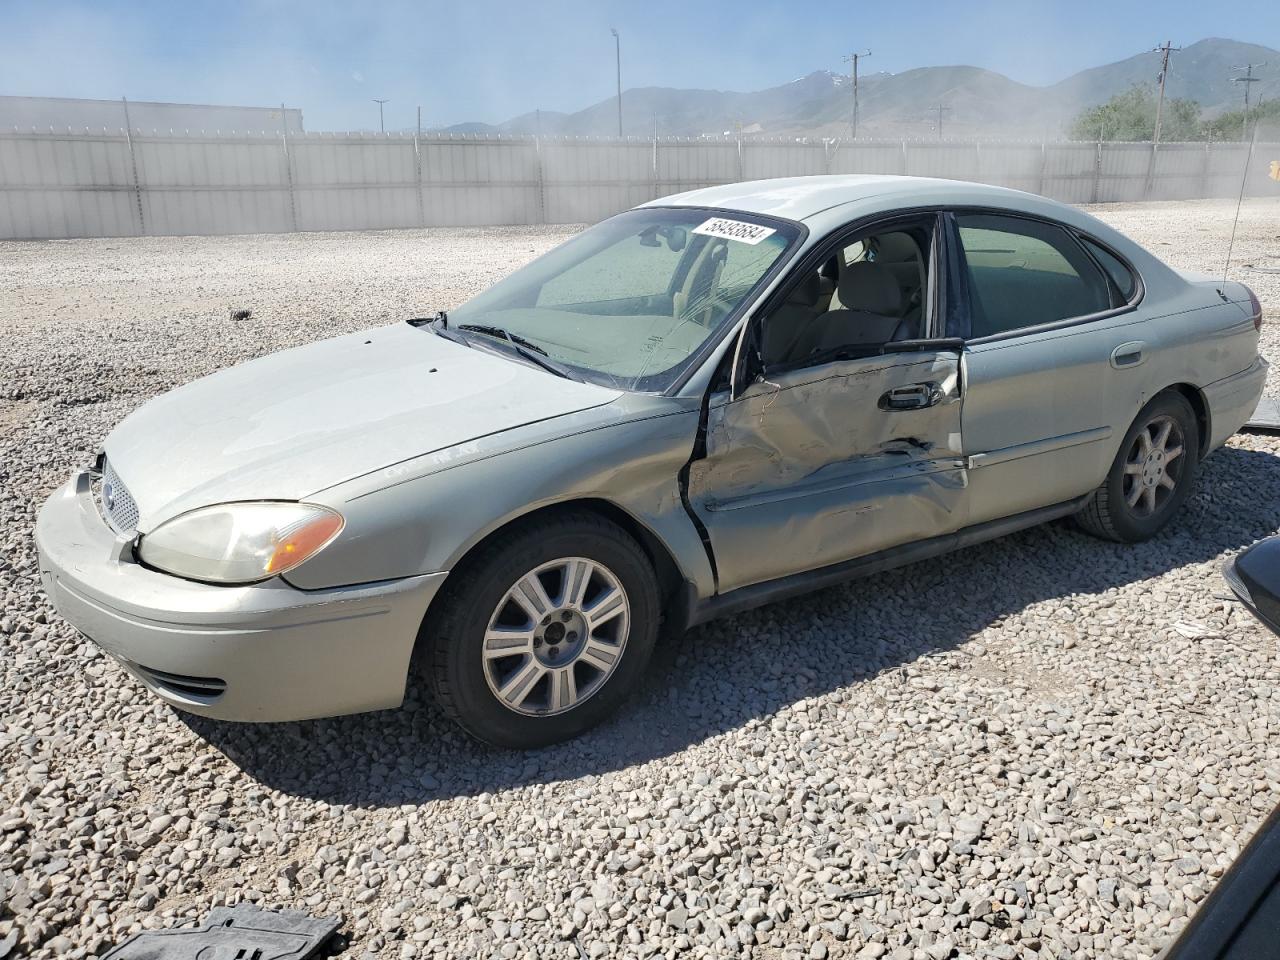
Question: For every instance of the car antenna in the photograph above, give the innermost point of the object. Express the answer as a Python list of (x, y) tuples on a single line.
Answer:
[(1244, 178)]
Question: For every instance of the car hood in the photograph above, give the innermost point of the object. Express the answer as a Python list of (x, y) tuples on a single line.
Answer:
[(292, 423)]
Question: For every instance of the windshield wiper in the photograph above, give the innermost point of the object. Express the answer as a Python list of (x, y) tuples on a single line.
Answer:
[(502, 334), (530, 351)]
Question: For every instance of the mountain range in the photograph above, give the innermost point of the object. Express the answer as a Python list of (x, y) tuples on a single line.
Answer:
[(964, 101)]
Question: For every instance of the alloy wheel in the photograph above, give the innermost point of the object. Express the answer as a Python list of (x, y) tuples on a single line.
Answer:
[(1153, 466), (556, 636)]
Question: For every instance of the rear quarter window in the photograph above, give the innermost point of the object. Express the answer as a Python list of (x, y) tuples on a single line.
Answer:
[(1125, 282)]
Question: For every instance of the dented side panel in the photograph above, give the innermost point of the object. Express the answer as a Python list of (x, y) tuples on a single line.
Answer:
[(808, 468)]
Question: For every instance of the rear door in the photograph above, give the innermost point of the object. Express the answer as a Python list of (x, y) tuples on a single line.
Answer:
[(832, 453), (1051, 343)]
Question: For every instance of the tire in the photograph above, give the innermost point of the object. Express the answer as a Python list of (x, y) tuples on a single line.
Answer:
[(594, 650), (1112, 513)]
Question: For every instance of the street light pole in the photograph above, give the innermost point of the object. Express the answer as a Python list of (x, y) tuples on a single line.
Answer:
[(617, 52), (381, 124)]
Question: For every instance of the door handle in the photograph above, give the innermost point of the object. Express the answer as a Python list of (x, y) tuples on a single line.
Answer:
[(1127, 354), (914, 396)]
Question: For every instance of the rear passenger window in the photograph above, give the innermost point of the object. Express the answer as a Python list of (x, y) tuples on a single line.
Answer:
[(1024, 273), (1120, 275)]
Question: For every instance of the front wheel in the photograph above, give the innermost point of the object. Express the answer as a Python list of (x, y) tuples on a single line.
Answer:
[(1151, 476), (544, 633)]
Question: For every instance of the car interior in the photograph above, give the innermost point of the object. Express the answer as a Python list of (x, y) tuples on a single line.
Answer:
[(868, 293)]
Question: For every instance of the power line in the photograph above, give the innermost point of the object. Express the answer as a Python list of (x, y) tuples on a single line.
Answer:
[(381, 124), (1166, 49), (1245, 82), (941, 110), (853, 58)]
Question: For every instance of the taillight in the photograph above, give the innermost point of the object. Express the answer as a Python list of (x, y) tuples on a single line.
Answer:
[(1256, 306)]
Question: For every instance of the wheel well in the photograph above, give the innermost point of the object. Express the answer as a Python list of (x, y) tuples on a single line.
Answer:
[(1196, 398), (665, 567)]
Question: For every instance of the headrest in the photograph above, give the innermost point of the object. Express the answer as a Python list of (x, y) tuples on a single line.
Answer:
[(870, 287), (807, 291), (896, 247)]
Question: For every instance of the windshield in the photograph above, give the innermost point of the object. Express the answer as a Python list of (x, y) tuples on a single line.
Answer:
[(629, 301)]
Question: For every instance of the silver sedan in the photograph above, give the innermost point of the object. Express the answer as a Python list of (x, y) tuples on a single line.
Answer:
[(707, 403)]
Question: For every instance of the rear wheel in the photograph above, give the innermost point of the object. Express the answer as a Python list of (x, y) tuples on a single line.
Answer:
[(1151, 476), (545, 632)]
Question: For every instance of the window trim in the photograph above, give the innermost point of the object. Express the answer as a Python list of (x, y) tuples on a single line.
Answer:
[(1139, 287), (822, 251)]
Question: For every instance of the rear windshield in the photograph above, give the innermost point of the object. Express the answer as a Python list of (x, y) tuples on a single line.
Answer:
[(630, 301)]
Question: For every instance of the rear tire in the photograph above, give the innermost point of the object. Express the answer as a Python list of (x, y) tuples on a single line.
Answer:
[(543, 633), (1151, 476)]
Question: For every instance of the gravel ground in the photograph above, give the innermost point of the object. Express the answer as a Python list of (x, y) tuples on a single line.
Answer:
[(1045, 746)]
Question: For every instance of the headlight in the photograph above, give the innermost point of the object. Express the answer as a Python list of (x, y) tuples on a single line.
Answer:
[(240, 542)]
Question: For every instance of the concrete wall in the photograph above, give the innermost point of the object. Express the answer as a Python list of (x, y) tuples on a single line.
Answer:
[(56, 185), (61, 113)]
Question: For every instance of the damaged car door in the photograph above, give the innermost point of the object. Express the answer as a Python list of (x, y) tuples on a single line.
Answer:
[(839, 434)]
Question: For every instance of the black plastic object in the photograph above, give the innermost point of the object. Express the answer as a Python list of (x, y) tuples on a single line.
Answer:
[(1241, 918), (242, 932), (1254, 577), (1266, 416)]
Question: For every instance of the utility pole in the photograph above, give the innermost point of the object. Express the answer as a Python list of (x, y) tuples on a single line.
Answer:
[(941, 110), (381, 124), (1245, 81), (617, 53), (1164, 50), (853, 58)]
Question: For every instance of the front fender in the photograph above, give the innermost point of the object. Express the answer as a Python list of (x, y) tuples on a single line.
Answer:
[(424, 515)]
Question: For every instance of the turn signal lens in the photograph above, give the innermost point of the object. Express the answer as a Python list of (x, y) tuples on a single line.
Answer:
[(236, 543)]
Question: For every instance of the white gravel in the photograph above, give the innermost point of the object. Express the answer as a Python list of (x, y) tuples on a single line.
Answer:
[(1046, 746)]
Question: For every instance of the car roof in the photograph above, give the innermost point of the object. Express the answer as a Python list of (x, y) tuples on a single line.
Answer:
[(827, 202), (800, 198)]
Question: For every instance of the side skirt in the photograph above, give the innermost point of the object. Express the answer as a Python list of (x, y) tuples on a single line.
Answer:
[(771, 591)]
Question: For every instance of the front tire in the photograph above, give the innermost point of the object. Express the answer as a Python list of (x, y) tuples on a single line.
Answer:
[(544, 632), (1152, 475)]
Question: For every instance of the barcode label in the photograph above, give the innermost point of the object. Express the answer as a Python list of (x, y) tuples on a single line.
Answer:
[(751, 233)]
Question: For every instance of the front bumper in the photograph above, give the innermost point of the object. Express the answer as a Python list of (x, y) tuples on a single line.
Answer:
[(265, 652)]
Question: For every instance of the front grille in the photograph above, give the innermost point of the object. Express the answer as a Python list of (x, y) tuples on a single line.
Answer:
[(199, 689), (118, 506)]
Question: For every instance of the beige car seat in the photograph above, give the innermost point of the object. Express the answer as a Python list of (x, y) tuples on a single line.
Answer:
[(871, 312)]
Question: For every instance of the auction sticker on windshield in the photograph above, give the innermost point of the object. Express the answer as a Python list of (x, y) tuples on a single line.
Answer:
[(751, 233)]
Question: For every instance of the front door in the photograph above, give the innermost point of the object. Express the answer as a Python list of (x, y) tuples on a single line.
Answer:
[(844, 444), (830, 463)]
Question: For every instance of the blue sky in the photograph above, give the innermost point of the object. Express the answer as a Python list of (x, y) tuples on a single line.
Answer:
[(493, 59)]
